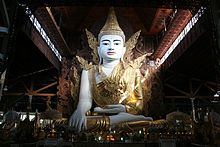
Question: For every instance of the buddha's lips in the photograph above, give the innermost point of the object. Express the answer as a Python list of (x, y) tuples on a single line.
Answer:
[(110, 53)]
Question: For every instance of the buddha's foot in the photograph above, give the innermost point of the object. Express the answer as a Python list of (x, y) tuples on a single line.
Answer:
[(97, 123), (137, 125)]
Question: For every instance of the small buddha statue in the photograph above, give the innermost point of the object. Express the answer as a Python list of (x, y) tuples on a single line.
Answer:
[(112, 84)]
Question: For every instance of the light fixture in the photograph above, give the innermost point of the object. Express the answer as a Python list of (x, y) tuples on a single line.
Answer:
[(216, 98), (5, 88), (217, 94)]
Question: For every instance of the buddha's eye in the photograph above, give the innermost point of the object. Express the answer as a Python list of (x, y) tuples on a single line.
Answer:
[(117, 43), (105, 43)]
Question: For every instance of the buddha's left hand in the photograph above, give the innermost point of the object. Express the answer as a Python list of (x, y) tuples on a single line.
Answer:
[(110, 109)]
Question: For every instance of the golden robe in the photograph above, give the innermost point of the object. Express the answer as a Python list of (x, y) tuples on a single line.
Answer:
[(123, 86)]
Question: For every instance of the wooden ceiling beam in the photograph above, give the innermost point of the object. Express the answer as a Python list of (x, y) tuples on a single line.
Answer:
[(45, 94), (131, 3), (176, 89), (30, 91), (41, 45), (27, 94), (182, 17), (187, 97), (46, 87), (46, 19), (159, 21), (197, 31), (196, 87)]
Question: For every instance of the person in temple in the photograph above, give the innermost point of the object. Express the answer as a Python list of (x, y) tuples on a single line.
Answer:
[(113, 84)]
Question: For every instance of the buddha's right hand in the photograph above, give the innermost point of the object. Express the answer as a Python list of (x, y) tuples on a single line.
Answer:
[(111, 109), (78, 121)]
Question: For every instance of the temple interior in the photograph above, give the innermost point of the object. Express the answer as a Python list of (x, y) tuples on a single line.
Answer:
[(39, 42)]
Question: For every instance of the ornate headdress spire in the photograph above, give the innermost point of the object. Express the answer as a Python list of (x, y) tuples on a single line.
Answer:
[(111, 26)]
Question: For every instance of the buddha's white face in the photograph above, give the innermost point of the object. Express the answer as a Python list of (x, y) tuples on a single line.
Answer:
[(111, 47)]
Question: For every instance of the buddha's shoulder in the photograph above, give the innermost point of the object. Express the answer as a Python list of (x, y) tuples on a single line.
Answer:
[(89, 67)]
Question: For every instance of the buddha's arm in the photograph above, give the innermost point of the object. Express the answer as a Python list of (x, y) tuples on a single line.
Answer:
[(134, 104), (85, 99), (78, 118)]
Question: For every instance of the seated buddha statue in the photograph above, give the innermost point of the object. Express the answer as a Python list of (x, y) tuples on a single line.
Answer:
[(112, 84)]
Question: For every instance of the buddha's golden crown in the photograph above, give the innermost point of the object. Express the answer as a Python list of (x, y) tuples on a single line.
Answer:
[(111, 26)]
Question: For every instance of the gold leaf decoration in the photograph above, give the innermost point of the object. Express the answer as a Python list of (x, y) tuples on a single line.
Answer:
[(93, 44), (84, 63), (138, 61), (130, 44), (74, 83)]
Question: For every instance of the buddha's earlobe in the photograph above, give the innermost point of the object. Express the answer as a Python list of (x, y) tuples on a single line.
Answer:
[(124, 50), (99, 54), (123, 53)]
